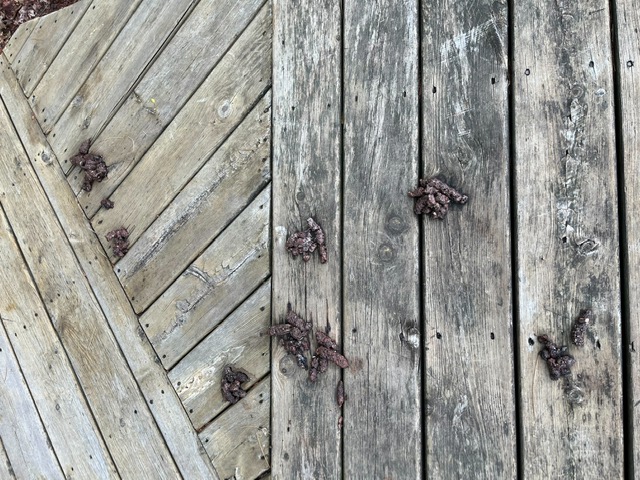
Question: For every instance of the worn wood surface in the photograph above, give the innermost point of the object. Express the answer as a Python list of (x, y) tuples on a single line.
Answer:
[(238, 440), (21, 429), (567, 237), (170, 81), (307, 183), (44, 363), (109, 83), (93, 352), (234, 265), (152, 379), (48, 36), (80, 54), (382, 417), (470, 404), (627, 64), (6, 469), (18, 39)]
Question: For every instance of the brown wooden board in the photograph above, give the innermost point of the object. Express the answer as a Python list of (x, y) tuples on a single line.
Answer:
[(306, 440), (382, 415), (567, 237), (469, 373)]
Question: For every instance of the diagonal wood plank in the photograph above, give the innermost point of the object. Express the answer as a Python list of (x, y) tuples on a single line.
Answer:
[(93, 351), (163, 402), (567, 231), (68, 420), (79, 55), (6, 469), (131, 52), (48, 36), (18, 39), (21, 429), (242, 341), (382, 417), (238, 440), (307, 182), (470, 428)]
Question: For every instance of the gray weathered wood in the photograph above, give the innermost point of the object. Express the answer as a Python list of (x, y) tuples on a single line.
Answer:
[(567, 237), (306, 162), (21, 429), (628, 16), (49, 35), (167, 409), (6, 469), (81, 325), (382, 416), (66, 417), (470, 428), (234, 265), (242, 341), (238, 440), (79, 55), (18, 39), (116, 73)]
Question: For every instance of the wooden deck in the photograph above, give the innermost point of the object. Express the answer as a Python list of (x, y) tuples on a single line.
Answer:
[(225, 124)]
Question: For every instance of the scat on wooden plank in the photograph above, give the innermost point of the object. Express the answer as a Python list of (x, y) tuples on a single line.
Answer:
[(240, 341), (98, 98), (167, 408), (235, 264)]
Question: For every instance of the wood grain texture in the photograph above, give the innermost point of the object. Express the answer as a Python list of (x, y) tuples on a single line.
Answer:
[(6, 469), (382, 417), (235, 264), (182, 66), (49, 35), (567, 227), (628, 26), (18, 39), (242, 341), (109, 83), (166, 407), (470, 428), (80, 54), (94, 354), (21, 429), (238, 440), (306, 163), (44, 363)]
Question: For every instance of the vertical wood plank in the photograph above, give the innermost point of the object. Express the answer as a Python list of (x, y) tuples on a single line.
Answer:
[(382, 417), (470, 428), (628, 63), (567, 227), (306, 165)]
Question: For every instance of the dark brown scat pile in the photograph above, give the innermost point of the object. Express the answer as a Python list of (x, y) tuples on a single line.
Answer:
[(580, 327), (294, 336), (106, 203), (119, 239), (95, 170), (232, 381), (433, 197), (327, 351), (308, 241), (559, 362)]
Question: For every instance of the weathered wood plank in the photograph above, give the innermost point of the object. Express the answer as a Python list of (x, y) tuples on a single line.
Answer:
[(18, 39), (234, 265), (80, 53), (42, 46), (170, 81), (306, 162), (241, 341), (567, 237), (6, 469), (94, 354), (470, 428), (382, 417), (21, 429), (166, 407), (68, 420), (131, 52), (628, 26), (238, 440)]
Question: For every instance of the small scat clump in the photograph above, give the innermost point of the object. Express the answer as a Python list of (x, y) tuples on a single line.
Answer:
[(294, 336), (306, 242), (327, 351), (119, 239), (95, 170), (232, 381), (106, 203), (559, 362), (434, 196), (340, 396), (580, 326)]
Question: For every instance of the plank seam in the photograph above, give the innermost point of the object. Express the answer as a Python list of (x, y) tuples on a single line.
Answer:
[(3, 452)]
